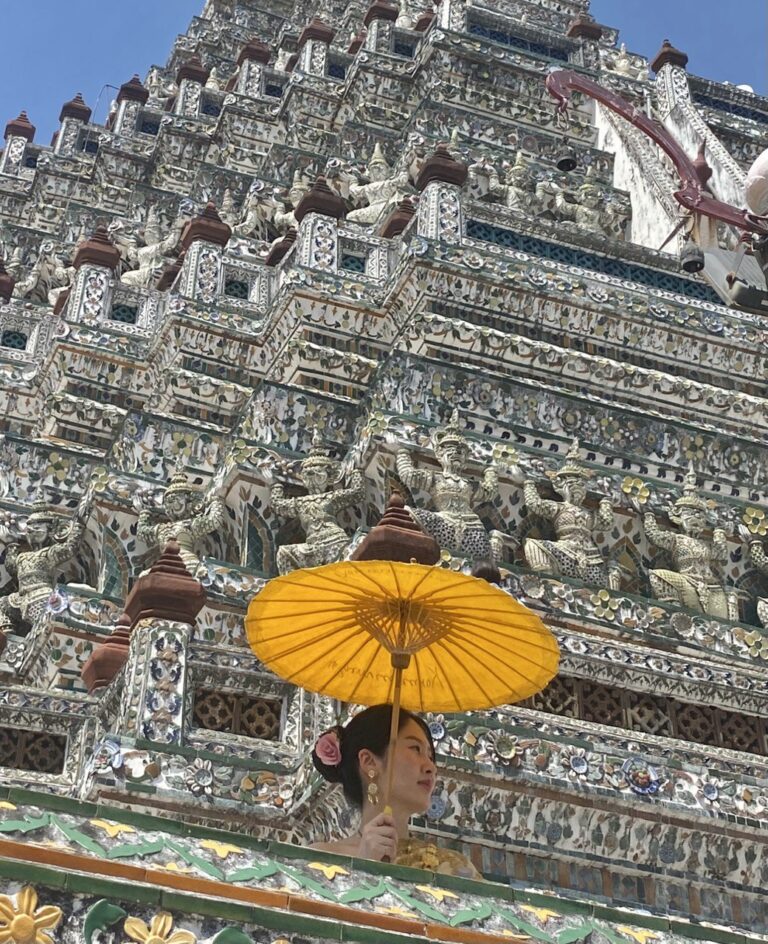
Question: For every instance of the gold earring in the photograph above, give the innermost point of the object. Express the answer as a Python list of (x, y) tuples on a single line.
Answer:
[(373, 788)]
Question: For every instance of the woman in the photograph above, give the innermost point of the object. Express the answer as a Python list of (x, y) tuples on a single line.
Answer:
[(357, 757)]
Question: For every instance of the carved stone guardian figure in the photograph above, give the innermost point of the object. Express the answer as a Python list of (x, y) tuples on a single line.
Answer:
[(50, 541), (325, 539), (186, 516), (49, 273), (258, 211), (284, 218), (590, 208), (693, 583), (455, 525), (384, 190), (574, 553), (518, 190), (152, 257)]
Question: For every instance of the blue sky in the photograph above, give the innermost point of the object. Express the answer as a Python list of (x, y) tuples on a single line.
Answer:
[(55, 48)]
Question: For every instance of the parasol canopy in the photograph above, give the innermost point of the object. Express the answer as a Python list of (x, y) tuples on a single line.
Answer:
[(456, 642)]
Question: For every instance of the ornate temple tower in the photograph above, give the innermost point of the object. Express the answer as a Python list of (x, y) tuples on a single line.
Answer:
[(321, 255)]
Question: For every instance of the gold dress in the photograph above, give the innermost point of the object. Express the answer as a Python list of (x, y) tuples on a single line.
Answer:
[(418, 854)]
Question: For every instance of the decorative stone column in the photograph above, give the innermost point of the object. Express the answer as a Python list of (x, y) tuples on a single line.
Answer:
[(669, 64), (586, 29), (397, 537), (91, 294), (251, 61), (440, 181), (74, 116), (379, 19), (313, 44), (191, 78), (202, 241), (130, 100), (162, 608), (318, 238), (452, 15), (18, 133)]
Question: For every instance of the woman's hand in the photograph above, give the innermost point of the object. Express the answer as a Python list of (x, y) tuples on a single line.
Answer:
[(378, 839)]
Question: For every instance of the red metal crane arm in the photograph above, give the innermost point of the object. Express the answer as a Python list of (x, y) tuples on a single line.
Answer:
[(562, 83)]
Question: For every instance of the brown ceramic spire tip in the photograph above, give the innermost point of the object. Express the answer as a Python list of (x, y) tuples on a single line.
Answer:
[(584, 26), (321, 199), (441, 165), (255, 51), (75, 108), (381, 10), (168, 591), (396, 515), (357, 41), (20, 127), (316, 29), (210, 212), (107, 660), (170, 272), (397, 537), (280, 249), (669, 55), (133, 90), (398, 219), (170, 562), (97, 250), (194, 70), (208, 226)]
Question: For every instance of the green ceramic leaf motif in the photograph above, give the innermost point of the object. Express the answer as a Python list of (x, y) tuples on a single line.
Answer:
[(101, 916)]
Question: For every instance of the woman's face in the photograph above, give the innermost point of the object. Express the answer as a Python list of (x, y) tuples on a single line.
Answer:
[(415, 771)]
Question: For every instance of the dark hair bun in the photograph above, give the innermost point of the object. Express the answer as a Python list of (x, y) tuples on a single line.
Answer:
[(330, 772)]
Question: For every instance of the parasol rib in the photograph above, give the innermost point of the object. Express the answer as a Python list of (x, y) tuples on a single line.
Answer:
[(386, 594), (442, 670), (459, 701), (362, 675), (338, 627), (316, 658), (481, 633)]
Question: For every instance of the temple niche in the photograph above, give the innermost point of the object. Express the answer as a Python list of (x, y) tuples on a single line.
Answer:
[(473, 285)]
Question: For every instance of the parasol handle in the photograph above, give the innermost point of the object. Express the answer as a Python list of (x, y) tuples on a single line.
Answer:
[(400, 661)]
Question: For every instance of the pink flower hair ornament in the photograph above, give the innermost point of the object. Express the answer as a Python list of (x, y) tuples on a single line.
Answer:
[(328, 749)]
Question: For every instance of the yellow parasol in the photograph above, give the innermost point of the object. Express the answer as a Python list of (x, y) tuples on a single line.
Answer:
[(455, 642)]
